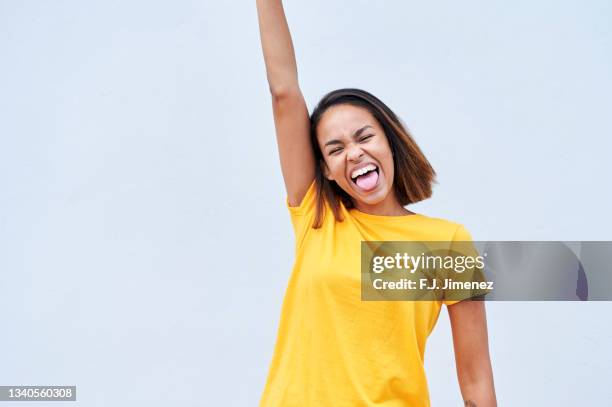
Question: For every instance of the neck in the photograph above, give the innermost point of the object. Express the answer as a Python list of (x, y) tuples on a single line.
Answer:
[(388, 207)]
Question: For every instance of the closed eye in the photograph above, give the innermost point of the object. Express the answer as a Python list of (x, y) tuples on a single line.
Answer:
[(366, 138), (335, 151)]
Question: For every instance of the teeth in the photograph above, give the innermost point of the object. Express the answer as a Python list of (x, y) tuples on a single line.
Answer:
[(361, 171)]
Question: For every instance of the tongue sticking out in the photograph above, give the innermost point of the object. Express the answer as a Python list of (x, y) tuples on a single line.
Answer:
[(367, 181)]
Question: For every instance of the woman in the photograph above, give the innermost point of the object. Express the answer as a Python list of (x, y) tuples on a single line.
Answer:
[(349, 170)]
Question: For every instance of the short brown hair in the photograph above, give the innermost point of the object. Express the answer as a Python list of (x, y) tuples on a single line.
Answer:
[(414, 175)]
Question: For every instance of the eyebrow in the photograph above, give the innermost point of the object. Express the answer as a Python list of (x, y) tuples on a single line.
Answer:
[(355, 135)]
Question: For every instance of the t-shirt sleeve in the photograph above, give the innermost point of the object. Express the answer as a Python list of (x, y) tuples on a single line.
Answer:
[(302, 216), (462, 246)]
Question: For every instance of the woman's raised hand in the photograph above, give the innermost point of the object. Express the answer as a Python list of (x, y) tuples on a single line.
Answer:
[(291, 118)]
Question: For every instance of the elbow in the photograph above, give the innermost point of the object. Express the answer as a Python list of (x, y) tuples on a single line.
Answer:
[(284, 92), (476, 383)]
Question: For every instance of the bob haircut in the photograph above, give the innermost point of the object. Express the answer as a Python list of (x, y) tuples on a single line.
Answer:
[(414, 175)]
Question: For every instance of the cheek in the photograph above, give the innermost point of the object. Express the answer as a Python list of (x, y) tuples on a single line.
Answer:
[(386, 158), (332, 167), (339, 174), (383, 151), (336, 168)]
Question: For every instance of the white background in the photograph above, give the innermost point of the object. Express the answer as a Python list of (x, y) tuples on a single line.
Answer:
[(144, 241)]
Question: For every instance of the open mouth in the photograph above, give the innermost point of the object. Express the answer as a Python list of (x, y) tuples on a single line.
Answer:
[(366, 178)]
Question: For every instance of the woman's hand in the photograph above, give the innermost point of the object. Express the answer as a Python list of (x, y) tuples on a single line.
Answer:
[(291, 117)]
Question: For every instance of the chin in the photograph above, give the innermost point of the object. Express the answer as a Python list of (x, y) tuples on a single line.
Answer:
[(373, 198)]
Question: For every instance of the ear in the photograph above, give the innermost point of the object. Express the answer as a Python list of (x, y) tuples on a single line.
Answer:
[(326, 171)]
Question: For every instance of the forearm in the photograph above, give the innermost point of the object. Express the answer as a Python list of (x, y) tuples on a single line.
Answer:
[(278, 52)]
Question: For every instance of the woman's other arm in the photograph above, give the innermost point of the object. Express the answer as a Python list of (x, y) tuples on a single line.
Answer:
[(291, 118), (471, 343)]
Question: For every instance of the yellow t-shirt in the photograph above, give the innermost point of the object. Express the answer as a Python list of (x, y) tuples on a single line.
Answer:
[(332, 348)]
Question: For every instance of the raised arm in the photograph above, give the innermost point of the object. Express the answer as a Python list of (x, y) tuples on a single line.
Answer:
[(291, 118)]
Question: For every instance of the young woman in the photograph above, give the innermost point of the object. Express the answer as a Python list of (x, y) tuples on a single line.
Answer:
[(349, 170)]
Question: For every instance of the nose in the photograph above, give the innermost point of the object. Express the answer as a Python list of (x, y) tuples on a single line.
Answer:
[(354, 153)]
